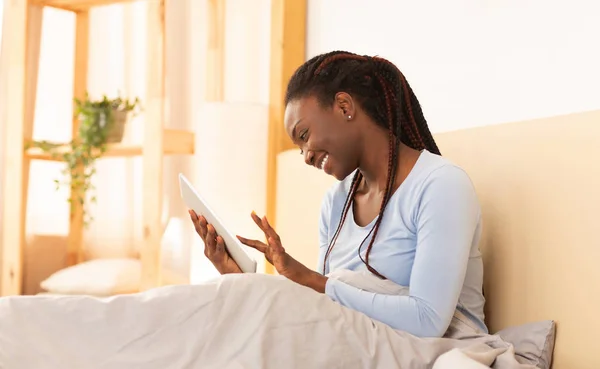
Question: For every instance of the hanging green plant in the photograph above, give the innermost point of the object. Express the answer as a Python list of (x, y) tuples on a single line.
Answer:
[(101, 122)]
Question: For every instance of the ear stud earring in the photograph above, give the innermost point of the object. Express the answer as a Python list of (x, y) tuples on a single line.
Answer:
[(349, 116)]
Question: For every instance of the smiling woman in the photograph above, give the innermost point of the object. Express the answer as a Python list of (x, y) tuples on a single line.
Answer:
[(399, 211)]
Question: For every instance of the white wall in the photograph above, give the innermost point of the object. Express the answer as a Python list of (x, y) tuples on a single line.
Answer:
[(474, 62)]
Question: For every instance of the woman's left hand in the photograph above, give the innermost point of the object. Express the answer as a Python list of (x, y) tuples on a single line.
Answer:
[(285, 265)]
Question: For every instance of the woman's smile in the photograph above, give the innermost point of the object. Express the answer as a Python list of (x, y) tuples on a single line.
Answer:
[(323, 161)]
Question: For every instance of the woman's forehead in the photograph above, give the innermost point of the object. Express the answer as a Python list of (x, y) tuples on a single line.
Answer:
[(301, 109), (295, 111)]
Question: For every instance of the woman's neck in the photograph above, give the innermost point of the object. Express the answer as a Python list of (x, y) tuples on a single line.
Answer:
[(374, 164)]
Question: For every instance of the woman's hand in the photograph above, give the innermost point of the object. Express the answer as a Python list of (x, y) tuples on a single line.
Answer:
[(214, 246), (281, 260)]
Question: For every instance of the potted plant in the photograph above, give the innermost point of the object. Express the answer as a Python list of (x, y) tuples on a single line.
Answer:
[(101, 122)]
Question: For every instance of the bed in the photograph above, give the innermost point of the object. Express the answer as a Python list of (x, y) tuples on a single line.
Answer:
[(539, 192), (539, 185)]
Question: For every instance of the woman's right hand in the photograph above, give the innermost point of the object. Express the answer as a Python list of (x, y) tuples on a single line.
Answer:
[(214, 246)]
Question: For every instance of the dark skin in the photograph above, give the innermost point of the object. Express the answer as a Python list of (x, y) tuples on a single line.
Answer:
[(349, 139)]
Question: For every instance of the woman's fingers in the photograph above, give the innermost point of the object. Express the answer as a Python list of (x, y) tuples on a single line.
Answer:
[(275, 245), (210, 243), (270, 232), (260, 246), (203, 227), (199, 224), (220, 247), (258, 221), (265, 226), (194, 218)]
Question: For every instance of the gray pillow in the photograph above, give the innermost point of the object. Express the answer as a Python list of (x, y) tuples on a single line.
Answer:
[(533, 342)]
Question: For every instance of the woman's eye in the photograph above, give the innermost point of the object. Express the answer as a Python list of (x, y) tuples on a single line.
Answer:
[(303, 136)]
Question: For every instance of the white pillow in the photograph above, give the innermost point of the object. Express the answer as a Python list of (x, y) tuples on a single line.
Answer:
[(98, 277)]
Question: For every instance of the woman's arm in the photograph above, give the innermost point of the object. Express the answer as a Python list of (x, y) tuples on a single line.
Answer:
[(446, 222)]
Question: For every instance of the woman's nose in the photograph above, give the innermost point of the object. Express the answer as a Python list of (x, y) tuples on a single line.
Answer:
[(309, 157)]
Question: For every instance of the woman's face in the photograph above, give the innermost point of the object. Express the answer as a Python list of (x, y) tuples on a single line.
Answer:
[(326, 136)]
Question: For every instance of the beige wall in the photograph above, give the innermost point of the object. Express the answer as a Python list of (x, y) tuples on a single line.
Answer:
[(537, 182)]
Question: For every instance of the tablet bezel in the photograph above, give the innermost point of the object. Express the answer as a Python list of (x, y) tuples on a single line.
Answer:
[(194, 201)]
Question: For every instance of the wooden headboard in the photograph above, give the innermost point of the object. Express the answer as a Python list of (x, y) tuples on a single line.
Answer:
[(539, 186)]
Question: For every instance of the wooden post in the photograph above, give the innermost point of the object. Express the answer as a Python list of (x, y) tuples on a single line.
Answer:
[(75, 250), (21, 47), (153, 147), (215, 63), (288, 40)]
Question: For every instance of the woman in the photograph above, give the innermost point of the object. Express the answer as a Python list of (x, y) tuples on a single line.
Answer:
[(400, 210)]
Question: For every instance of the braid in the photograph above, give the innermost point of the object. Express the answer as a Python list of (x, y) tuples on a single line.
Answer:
[(385, 95), (393, 158), (355, 181)]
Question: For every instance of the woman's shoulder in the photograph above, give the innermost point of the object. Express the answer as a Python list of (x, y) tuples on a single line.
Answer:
[(439, 182), (431, 173), (433, 168)]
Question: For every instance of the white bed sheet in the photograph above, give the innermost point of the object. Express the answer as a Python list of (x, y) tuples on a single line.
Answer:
[(235, 321)]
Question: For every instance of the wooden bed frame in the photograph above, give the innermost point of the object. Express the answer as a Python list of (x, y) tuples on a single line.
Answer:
[(539, 186)]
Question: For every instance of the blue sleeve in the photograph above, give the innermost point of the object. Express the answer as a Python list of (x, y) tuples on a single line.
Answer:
[(446, 220), (324, 229)]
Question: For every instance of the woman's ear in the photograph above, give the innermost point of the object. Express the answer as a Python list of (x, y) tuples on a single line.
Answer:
[(345, 105)]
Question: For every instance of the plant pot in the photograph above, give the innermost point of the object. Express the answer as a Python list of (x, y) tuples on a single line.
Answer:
[(117, 126), (97, 127)]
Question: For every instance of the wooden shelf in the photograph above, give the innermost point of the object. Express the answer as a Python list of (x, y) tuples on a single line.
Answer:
[(79, 5), (176, 142)]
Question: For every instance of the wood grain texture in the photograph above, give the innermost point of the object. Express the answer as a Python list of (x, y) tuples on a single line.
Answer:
[(176, 142), (288, 44), (215, 62), (75, 250), (22, 46), (79, 5), (153, 147)]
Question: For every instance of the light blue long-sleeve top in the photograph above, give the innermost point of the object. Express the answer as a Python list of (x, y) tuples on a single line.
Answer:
[(428, 241)]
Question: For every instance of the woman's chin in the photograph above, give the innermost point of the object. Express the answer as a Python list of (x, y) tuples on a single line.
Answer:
[(333, 168), (340, 175), (329, 168)]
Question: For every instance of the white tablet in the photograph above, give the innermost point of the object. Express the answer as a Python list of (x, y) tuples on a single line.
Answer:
[(236, 249)]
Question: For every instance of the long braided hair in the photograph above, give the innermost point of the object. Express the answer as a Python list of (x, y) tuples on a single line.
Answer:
[(386, 97)]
